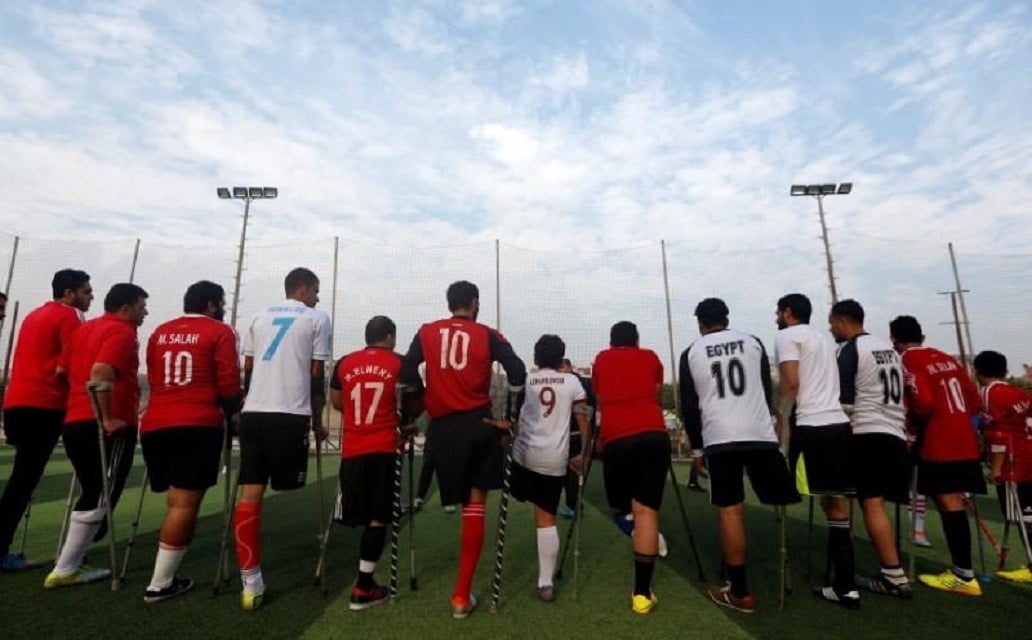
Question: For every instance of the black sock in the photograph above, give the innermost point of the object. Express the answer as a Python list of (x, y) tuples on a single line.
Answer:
[(840, 552), (643, 566), (736, 573), (958, 539), (370, 548)]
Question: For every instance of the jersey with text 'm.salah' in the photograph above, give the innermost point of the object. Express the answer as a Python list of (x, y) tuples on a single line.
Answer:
[(626, 381), (368, 380), (44, 334), (1008, 427), (191, 366), (944, 401), (106, 340)]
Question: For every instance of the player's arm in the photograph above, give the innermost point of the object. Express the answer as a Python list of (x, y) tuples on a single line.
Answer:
[(114, 355), (227, 374), (691, 416), (318, 397), (768, 384), (502, 353), (66, 333), (848, 365), (580, 415), (337, 388), (408, 378), (788, 357)]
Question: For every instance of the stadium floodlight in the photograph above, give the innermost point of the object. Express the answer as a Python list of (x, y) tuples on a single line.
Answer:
[(819, 191), (827, 189), (845, 188), (813, 190), (255, 193), (223, 193), (240, 192), (798, 190), (247, 194), (270, 192)]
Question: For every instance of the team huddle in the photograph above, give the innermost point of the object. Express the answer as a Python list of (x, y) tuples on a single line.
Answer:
[(880, 421)]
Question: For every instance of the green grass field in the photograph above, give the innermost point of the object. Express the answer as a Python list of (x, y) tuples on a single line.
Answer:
[(294, 608)]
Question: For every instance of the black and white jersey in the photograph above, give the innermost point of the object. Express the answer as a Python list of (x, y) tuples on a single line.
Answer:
[(871, 381), (726, 391)]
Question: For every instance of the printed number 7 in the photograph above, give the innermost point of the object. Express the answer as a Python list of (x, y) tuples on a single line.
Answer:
[(284, 325)]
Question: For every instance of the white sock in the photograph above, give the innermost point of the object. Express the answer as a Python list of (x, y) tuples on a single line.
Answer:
[(548, 554), (367, 566), (252, 579), (166, 565), (82, 526)]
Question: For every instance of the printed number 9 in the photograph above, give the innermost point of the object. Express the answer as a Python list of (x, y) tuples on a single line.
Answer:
[(547, 398)]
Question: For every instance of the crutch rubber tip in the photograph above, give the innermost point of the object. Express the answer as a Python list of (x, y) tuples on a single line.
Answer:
[(413, 584)]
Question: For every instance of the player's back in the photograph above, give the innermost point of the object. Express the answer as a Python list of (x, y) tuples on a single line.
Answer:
[(34, 381), (626, 382), (457, 353), (873, 384), (368, 380), (283, 341), (112, 341), (817, 403), (945, 401), (543, 440), (1007, 412), (191, 365)]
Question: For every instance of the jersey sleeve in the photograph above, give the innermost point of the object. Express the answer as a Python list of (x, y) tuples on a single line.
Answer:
[(785, 348), (117, 350), (768, 382), (848, 365), (321, 338), (501, 352), (227, 365), (691, 416)]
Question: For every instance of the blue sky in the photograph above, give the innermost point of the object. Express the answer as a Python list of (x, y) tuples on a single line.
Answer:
[(550, 125)]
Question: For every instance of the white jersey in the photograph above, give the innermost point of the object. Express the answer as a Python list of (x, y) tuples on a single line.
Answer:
[(872, 383), (817, 402), (725, 385), (283, 340), (543, 442)]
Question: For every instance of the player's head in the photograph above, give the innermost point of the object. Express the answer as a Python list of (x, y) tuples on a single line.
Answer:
[(464, 299), (565, 365), (846, 319), (905, 331), (302, 285), (128, 301), (991, 365), (623, 334), (380, 331), (712, 315), (73, 288), (205, 298), (794, 308), (549, 351)]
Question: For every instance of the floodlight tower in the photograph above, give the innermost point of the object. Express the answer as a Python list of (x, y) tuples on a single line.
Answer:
[(247, 194), (819, 191)]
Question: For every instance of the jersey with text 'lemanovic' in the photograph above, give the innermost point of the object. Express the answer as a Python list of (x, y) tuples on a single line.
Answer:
[(283, 340), (543, 440), (871, 381), (1007, 415), (726, 392)]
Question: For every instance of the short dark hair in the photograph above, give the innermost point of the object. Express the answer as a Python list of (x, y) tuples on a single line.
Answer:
[(66, 279), (848, 308), (123, 294), (712, 312), (623, 334), (798, 304), (378, 328), (566, 363), (991, 364), (549, 351), (906, 329), (461, 295), (3, 296), (199, 294), (299, 277)]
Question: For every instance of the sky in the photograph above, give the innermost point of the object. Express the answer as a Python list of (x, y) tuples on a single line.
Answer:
[(573, 132)]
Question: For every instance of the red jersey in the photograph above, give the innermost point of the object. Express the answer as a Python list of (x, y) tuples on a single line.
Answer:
[(943, 401), (368, 380), (112, 341), (626, 381), (191, 366), (44, 335), (458, 354), (1008, 427)]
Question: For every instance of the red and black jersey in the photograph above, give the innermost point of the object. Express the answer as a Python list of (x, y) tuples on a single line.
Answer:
[(942, 403), (1006, 414), (191, 367), (107, 340), (458, 354), (626, 381), (44, 335), (368, 380)]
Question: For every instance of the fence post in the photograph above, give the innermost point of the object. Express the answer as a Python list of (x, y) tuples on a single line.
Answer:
[(10, 268), (136, 256), (670, 339)]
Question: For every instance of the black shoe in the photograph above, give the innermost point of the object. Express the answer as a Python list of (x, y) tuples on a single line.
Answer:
[(178, 587), (879, 584), (365, 598), (849, 600)]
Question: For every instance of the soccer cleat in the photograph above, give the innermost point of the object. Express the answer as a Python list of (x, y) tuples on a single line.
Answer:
[(451, 508), (178, 587), (417, 505), (662, 548), (82, 575), (721, 594), (849, 600), (880, 584), (949, 581), (566, 512), (251, 600), (18, 562), (460, 610), (921, 540), (643, 605), (546, 593), (365, 598), (1021, 576)]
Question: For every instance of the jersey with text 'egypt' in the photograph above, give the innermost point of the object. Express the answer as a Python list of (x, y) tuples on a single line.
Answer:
[(871, 381)]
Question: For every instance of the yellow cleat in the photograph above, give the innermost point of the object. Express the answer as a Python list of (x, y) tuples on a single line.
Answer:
[(1022, 575), (251, 600), (82, 575), (641, 604), (949, 581)]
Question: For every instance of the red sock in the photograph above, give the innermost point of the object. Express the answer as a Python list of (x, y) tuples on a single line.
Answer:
[(472, 542), (247, 525)]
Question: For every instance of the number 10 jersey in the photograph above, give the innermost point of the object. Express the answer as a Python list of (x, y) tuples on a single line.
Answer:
[(871, 381)]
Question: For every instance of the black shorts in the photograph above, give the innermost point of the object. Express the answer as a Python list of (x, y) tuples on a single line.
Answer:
[(467, 454), (768, 475), (881, 467), (183, 457), (820, 460), (939, 478), (635, 468), (1024, 499), (274, 449), (83, 450), (367, 489), (540, 490)]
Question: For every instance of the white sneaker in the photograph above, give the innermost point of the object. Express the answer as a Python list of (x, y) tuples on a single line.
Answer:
[(921, 540), (662, 549)]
